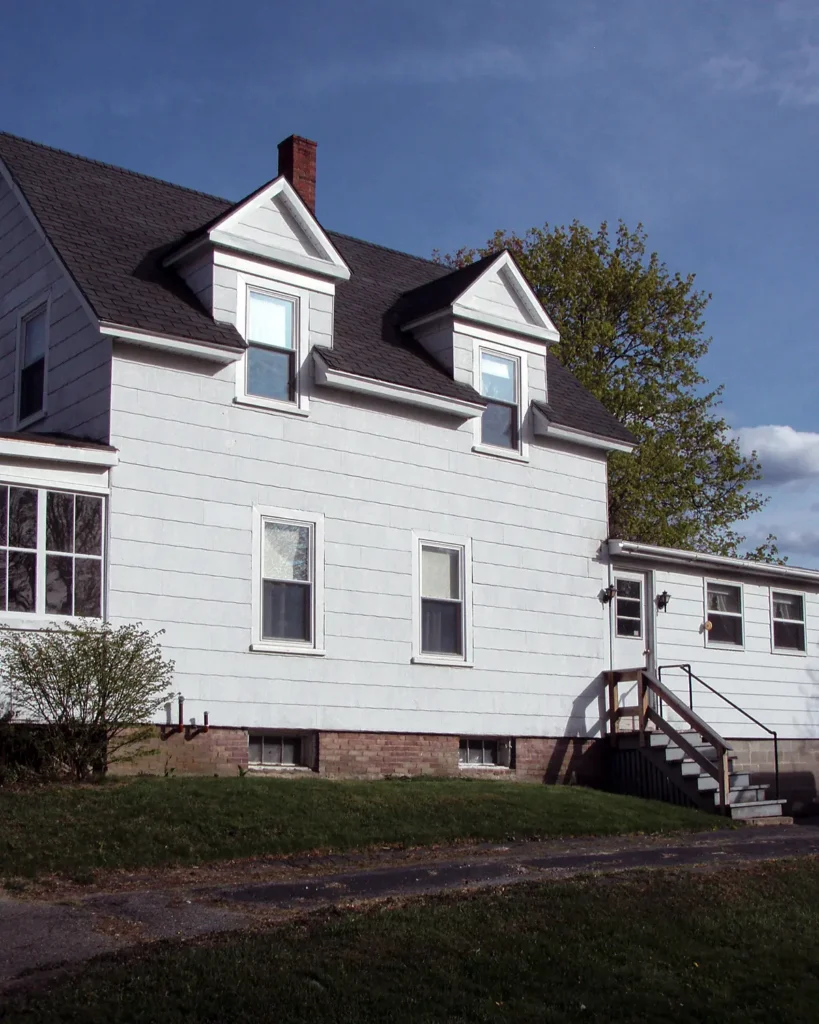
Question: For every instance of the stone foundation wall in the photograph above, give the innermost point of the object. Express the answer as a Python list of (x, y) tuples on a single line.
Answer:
[(798, 770)]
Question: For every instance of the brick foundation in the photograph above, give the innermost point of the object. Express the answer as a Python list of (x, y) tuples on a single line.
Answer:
[(798, 770), (372, 755)]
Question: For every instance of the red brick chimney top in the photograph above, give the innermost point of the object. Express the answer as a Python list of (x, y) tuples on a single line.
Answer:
[(297, 162)]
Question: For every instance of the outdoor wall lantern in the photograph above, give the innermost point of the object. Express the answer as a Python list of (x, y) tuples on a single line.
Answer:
[(607, 595), (662, 600)]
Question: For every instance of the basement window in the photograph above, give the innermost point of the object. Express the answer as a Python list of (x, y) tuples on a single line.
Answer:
[(484, 752), (788, 615), (280, 750)]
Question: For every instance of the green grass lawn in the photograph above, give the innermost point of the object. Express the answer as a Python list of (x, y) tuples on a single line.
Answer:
[(739, 946), (159, 822)]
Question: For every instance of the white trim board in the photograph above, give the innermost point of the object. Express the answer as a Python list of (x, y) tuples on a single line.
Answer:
[(543, 427), (46, 451), (328, 377), (678, 556), (166, 343)]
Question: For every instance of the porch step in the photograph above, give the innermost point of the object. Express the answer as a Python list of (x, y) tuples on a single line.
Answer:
[(746, 795), (736, 780), (689, 767), (757, 809)]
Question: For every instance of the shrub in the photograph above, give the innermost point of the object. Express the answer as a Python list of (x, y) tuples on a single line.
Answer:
[(92, 689)]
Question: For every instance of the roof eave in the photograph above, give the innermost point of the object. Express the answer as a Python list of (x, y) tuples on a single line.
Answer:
[(679, 556)]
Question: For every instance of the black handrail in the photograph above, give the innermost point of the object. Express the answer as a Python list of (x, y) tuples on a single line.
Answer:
[(692, 676)]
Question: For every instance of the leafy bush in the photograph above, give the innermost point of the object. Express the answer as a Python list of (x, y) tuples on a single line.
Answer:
[(92, 689)]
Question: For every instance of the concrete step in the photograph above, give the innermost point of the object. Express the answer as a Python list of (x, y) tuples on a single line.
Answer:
[(737, 780), (746, 795), (757, 809), (689, 767), (659, 739)]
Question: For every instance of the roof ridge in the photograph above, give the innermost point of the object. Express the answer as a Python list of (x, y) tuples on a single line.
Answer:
[(116, 167), (389, 248)]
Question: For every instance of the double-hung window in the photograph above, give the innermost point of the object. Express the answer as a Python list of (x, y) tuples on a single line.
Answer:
[(289, 574), (270, 365), (443, 619), (500, 383), (724, 612), (33, 345), (51, 552), (788, 615)]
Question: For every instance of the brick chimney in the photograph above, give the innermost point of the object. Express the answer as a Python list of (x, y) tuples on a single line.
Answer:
[(297, 162)]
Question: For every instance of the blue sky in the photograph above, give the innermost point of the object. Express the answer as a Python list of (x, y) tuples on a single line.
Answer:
[(439, 121)]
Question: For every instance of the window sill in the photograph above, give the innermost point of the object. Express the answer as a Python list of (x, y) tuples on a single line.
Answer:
[(36, 417), (789, 652), (268, 405), (262, 648), (718, 646), (30, 620), (264, 768), (429, 659), (484, 767), (500, 453)]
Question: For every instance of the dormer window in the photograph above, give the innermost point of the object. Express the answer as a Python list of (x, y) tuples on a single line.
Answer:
[(270, 368), (500, 383)]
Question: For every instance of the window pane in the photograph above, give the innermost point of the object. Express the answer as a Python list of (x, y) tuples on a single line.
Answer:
[(499, 426), (59, 584), (32, 387), (490, 751), (441, 631), (34, 341), (463, 751), (272, 753), (290, 750), (4, 515), (270, 320), (790, 635), (631, 609), (726, 629), (475, 755), (722, 598), (440, 572), (629, 588), (88, 535), (59, 521), (88, 587), (269, 373), (286, 611), (286, 552), (498, 378), (254, 749), (3, 567), (628, 627), (22, 518), (788, 606), (22, 581)]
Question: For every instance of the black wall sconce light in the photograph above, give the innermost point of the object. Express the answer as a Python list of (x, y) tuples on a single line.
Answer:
[(607, 595), (662, 600)]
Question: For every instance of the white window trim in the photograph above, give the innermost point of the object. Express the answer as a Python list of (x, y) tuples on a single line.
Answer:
[(630, 577), (42, 302), (301, 343), (707, 642), (521, 453), (789, 651), (316, 520), (466, 660), (39, 618)]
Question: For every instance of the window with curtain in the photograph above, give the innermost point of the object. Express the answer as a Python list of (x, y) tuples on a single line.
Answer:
[(270, 362), (788, 621), (442, 606), (724, 607), (33, 344), (500, 384), (287, 581)]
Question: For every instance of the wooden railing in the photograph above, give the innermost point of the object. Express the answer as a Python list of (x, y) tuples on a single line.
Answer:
[(646, 715)]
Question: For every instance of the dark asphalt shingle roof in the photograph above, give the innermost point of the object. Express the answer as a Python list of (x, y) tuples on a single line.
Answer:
[(112, 227)]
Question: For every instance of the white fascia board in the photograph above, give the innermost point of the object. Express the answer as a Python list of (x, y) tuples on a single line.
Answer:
[(281, 187), (258, 268), (5, 174), (46, 451), (498, 337), (393, 392), (181, 346), (663, 556), (543, 334), (543, 427), (272, 254)]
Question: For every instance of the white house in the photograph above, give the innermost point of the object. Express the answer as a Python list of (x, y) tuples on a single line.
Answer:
[(364, 502)]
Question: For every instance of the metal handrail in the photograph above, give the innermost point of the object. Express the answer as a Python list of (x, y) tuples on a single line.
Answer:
[(692, 676)]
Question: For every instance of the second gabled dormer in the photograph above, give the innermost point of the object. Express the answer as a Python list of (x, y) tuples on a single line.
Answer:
[(485, 325), (267, 267)]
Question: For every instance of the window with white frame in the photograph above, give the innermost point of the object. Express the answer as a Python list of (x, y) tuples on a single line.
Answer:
[(628, 607), (271, 362), (288, 566), (33, 345), (51, 552), (788, 614), (284, 751), (478, 751), (500, 383), (442, 584), (724, 610)]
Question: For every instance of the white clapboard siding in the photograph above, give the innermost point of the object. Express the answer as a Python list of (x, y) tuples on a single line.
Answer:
[(192, 466), (79, 360), (781, 690)]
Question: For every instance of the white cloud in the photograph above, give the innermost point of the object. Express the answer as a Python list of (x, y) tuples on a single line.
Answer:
[(786, 455), (738, 74)]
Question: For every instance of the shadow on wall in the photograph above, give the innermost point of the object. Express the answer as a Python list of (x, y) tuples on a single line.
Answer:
[(581, 756), (798, 788)]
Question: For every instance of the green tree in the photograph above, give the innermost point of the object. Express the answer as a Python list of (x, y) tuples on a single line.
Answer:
[(633, 333)]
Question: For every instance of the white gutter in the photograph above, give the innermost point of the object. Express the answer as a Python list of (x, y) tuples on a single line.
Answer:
[(658, 555), (47, 451), (394, 392), (167, 343)]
